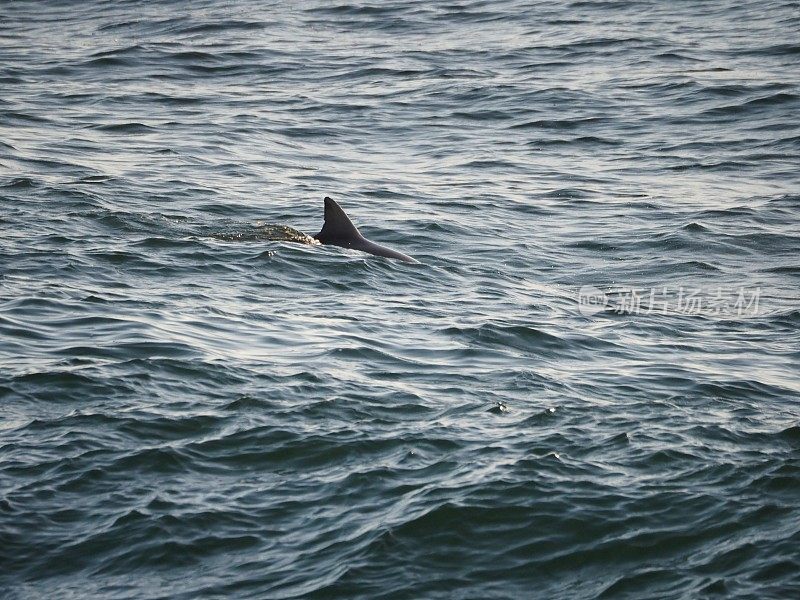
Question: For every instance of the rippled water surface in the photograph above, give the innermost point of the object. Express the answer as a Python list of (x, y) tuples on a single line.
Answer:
[(587, 388)]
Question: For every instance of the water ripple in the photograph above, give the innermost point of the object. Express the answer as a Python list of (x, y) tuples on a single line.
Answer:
[(199, 401)]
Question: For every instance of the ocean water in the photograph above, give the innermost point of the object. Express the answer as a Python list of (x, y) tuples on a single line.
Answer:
[(588, 387)]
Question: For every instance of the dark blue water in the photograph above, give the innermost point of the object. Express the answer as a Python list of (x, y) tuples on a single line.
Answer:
[(589, 387)]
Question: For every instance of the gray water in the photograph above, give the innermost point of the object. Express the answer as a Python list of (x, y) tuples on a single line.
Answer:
[(588, 387)]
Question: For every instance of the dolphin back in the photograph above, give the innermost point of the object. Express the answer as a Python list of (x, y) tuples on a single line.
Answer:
[(339, 230), (378, 250)]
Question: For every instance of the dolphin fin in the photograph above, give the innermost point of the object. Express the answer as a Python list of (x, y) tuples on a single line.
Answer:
[(337, 226)]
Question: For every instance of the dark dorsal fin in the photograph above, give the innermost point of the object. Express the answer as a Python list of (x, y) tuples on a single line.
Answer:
[(337, 226)]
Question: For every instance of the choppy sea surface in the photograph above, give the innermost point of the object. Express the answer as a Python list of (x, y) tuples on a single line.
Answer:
[(588, 388)]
